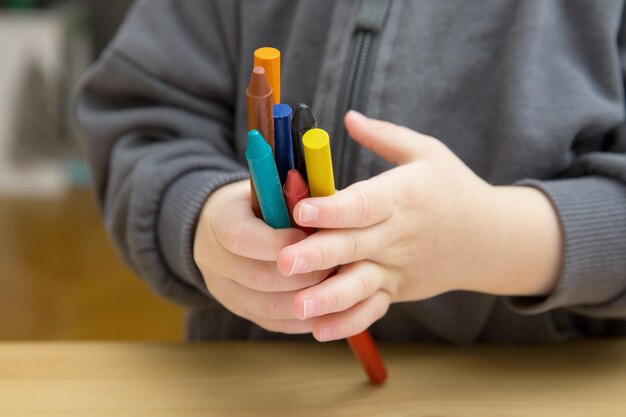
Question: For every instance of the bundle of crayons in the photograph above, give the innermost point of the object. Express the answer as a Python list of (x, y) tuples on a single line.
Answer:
[(283, 153)]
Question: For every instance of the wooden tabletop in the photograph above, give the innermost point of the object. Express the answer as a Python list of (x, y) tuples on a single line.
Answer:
[(299, 379)]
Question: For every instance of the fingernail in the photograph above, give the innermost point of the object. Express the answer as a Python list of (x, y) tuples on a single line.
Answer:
[(326, 334), (359, 117), (299, 265), (308, 213), (310, 308)]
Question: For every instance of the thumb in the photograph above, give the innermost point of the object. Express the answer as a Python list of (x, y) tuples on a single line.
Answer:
[(396, 144)]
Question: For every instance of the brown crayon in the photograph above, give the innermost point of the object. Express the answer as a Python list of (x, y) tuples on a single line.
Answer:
[(259, 105)]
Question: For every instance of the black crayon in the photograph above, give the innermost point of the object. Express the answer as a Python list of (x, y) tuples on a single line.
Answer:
[(303, 121)]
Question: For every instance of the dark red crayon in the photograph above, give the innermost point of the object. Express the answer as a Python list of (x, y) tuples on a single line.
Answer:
[(362, 344), (296, 190)]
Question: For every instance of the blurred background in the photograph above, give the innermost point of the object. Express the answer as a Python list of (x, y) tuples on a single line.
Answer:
[(60, 277)]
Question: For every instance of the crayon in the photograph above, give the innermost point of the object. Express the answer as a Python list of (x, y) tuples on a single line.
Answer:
[(316, 144), (296, 190), (259, 105), (319, 165), (266, 182), (269, 59), (364, 348), (282, 140), (303, 121)]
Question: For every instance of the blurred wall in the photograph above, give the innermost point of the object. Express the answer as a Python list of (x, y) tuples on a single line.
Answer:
[(60, 278), (107, 16)]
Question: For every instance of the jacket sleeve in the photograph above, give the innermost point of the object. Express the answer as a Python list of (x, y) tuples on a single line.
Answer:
[(157, 113), (591, 202)]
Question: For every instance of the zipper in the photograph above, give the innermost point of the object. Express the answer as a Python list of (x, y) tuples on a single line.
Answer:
[(353, 92)]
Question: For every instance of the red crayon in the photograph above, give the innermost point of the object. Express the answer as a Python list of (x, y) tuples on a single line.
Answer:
[(362, 344), (296, 190), (364, 348)]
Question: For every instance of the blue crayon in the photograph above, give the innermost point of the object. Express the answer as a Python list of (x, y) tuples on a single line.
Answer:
[(266, 182), (282, 140)]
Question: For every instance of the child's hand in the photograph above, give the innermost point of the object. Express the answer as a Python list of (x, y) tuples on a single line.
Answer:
[(424, 228), (236, 253)]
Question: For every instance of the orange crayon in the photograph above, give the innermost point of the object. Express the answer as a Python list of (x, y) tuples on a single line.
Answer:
[(269, 59)]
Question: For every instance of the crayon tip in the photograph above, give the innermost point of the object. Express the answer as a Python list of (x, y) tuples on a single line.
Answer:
[(257, 148), (316, 139), (269, 59), (267, 53), (295, 182), (282, 110), (303, 118), (259, 85), (296, 190)]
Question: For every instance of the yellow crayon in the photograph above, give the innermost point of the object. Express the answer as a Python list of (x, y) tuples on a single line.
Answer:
[(319, 163), (319, 168)]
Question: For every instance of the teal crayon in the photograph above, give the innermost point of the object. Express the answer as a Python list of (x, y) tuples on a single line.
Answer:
[(266, 181)]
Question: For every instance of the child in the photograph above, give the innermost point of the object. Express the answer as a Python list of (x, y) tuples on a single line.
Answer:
[(506, 223)]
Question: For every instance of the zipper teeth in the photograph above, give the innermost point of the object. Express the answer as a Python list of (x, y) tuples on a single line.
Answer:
[(352, 98), (358, 94), (345, 97)]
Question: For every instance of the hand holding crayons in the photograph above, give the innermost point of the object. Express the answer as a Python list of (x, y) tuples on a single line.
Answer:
[(267, 175), (431, 214)]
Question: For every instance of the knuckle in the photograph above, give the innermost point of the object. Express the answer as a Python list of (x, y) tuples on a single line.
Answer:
[(333, 302), (377, 311), (323, 257), (351, 245), (272, 308), (434, 146), (365, 286), (201, 259), (259, 280), (229, 234), (409, 199), (351, 328), (335, 211), (363, 204)]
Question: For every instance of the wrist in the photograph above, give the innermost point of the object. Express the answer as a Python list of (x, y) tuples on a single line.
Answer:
[(529, 243)]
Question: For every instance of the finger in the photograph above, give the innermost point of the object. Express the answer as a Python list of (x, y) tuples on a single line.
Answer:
[(330, 248), (352, 284), (283, 326), (360, 205), (241, 233), (222, 289), (396, 144), (272, 306), (353, 321), (261, 275)]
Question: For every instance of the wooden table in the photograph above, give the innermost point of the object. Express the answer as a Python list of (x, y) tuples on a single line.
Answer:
[(287, 379)]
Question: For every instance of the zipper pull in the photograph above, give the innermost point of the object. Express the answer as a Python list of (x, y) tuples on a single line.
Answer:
[(372, 15)]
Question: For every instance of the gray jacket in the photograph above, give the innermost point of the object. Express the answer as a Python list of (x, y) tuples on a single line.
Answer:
[(528, 92)]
